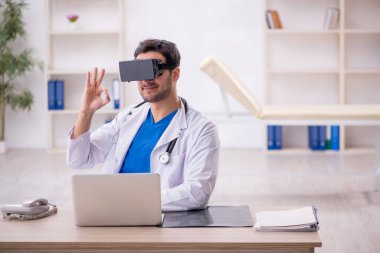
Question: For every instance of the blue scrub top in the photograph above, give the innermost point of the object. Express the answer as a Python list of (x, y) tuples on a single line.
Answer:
[(137, 159)]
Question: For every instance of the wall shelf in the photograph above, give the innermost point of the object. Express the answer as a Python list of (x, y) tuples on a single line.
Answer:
[(72, 51), (76, 111), (84, 32), (301, 32), (362, 71), (362, 31), (303, 71), (77, 71), (305, 64)]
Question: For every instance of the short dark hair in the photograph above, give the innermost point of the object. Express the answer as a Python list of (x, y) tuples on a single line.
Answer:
[(168, 49)]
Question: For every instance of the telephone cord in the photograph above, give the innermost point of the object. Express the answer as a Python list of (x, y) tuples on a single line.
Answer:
[(15, 216)]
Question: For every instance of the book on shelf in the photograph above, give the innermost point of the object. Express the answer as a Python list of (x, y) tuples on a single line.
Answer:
[(303, 219), (274, 137), (276, 19), (273, 19), (278, 137), (328, 138), (334, 137), (116, 93), (56, 94), (317, 137), (323, 137), (331, 21), (60, 94), (313, 137), (51, 95), (269, 19)]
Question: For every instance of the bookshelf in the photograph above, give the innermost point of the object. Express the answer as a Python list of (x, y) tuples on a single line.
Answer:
[(96, 40), (306, 64)]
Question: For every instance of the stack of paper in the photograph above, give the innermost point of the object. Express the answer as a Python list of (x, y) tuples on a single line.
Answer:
[(301, 219)]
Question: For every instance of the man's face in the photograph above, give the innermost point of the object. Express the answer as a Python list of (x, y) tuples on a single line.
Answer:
[(160, 88)]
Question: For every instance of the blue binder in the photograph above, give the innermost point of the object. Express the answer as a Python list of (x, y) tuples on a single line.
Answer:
[(270, 138), (335, 137), (313, 137), (278, 137), (51, 95), (60, 94), (274, 137), (322, 137)]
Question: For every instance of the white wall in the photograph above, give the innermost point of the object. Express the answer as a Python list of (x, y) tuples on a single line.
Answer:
[(28, 129), (230, 29)]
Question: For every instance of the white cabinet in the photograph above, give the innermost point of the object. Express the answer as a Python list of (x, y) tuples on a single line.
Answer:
[(94, 40), (307, 65)]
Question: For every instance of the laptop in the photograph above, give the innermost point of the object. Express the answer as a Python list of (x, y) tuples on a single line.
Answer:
[(117, 199)]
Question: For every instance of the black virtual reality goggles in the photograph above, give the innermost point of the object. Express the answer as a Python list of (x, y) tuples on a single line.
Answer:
[(137, 70)]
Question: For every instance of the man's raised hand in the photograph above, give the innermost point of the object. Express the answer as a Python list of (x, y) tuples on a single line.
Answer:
[(95, 95)]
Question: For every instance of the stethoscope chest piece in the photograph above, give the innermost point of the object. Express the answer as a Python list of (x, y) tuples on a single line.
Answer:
[(164, 158)]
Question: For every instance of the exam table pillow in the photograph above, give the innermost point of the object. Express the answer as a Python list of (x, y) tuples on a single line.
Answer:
[(222, 76), (215, 69)]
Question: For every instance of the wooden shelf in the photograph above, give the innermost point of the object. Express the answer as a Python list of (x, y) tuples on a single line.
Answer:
[(76, 111), (77, 71), (362, 71), (84, 32), (362, 31), (349, 150), (301, 32), (303, 71), (295, 151), (306, 151)]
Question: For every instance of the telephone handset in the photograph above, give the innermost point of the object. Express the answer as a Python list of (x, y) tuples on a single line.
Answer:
[(29, 210)]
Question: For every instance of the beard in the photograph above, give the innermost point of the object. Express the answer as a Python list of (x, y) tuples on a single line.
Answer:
[(160, 95)]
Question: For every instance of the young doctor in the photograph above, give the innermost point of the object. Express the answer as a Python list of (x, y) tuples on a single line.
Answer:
[(163, 135)]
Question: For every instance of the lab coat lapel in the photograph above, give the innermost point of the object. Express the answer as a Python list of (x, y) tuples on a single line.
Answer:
[(175, 127), (128, 131)]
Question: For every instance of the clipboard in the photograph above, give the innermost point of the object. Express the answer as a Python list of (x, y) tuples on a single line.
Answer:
[(211, 216)]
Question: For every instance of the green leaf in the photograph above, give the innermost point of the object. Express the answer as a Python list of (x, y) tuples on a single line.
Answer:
[(22, 101), (15, 65), (11, 24)]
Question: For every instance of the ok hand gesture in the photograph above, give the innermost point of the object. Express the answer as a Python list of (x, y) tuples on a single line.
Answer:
[(95, 95)]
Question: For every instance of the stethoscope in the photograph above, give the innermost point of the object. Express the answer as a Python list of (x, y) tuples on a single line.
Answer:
[(165, 157)]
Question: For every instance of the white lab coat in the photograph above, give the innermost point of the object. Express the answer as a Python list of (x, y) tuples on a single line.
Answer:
[(187, 181)]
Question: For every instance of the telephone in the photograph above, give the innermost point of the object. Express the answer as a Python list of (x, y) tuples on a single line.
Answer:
[(29, 210)]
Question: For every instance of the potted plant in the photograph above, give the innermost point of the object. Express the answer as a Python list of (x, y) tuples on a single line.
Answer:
[(13, 62)]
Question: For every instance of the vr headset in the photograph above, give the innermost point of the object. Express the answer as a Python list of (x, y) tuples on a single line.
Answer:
[(137, 70)]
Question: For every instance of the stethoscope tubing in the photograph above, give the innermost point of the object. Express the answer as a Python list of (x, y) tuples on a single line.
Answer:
[(165, 157)]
